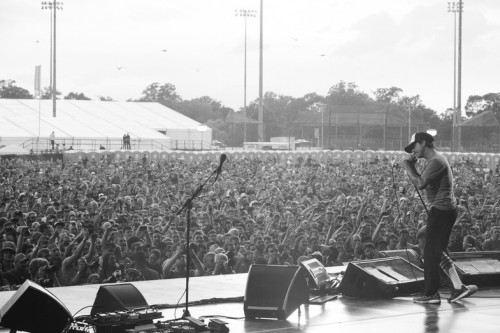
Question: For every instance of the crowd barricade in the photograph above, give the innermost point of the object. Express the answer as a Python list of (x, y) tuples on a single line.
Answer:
[(495, 160), (489, 159), (471, 156), (369, 155), (164, 156), (346, 154), (235, 155), (136, 155), (389, 155), (452, 157), (281, 156), (146, 154), (358, 156), (337, 154), (485, 158), (322, 157)]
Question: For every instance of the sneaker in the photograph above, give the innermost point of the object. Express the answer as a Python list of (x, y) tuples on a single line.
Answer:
[(465, 291), (432, 299)]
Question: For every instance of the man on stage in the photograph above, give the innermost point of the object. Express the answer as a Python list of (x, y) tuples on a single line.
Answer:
[(437, 180)]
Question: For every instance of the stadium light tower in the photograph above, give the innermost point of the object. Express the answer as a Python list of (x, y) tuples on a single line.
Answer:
[(261, 79), (53, 6), (245, 13), (456, 7)]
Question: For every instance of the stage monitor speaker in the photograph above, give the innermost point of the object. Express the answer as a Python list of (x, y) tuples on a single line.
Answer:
[(33, 308), (408, 254), (118, 297), (274, 291), (381, 278), (479, 271)]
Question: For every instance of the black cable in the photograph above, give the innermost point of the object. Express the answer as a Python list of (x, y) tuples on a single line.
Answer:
[(177, 305), (394, 187), (206, 301), (77, 312), (222, 316), (422, 200)]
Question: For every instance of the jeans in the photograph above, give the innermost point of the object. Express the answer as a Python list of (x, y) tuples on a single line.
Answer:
[(439, 226)]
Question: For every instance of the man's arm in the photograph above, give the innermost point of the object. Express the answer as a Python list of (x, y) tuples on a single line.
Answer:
[(169, 263), (78, 252), (413, 174)]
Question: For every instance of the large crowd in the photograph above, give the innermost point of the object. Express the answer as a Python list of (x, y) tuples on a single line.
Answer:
[(96, 221)]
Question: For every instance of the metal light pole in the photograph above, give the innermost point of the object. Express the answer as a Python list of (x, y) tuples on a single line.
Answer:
[(453, 8), (409, 121), (261, 106), (245, 13), (322, 127), (48, 5), (53, 6), (459, 75)]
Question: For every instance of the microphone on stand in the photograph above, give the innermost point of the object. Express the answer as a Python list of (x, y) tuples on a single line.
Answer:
[(223, 157)]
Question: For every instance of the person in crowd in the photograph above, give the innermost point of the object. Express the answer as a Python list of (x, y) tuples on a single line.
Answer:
[(20, 273), (141, 264), (493, 243), (75, 268), (7, 253)]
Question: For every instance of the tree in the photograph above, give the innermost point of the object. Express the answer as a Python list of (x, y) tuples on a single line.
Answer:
[(77, 96), (164, 94), (344, 93), (478, 104), (411, 103), (388, 95), (47, 93), (105, 99), (8, 89)]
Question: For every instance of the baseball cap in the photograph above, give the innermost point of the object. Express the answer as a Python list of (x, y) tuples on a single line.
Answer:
[(417, 137), (20, 257), (9, 246)]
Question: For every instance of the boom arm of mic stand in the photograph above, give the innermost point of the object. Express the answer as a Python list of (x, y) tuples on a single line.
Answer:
[(195, 194)]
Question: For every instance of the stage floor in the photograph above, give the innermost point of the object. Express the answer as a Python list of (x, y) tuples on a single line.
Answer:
[(477, 313)]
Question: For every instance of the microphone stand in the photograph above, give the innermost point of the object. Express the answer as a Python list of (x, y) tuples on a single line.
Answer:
[(188, 205)]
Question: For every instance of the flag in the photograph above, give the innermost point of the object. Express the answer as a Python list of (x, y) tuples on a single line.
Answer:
[(38, 75)]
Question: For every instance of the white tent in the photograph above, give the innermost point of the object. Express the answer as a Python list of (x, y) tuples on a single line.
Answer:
[(90, 124)]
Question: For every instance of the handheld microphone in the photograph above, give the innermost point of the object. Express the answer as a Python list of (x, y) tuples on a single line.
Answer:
[(412, 159)]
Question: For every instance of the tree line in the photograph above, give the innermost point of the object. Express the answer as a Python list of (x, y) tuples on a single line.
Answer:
[(286, 115)]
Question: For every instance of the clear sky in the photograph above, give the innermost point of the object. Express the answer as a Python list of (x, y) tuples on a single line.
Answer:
[(118, 47)]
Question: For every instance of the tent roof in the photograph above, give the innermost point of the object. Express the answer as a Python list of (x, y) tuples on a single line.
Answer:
[(90, 119), (484, 119), (13, 150)]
